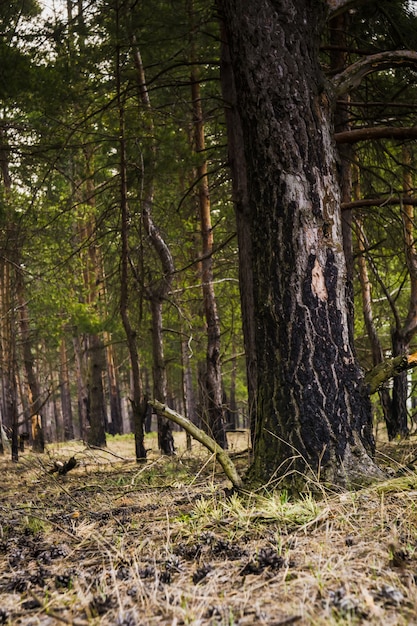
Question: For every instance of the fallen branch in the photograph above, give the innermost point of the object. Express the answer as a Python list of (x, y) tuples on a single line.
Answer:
[(378, 375), (198, 434)]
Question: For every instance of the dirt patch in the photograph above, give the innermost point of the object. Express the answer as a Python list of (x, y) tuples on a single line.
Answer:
[(113, 542)]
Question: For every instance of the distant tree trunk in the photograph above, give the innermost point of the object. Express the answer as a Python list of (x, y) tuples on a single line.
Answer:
[(399, 414), (314, 420), (114, 392), (233, 422), (187, 388), (213, 376), (402, 335), (35, 400), (157, 292), (9, 262), (64, 385), (165, 437), (96, 432), (93, 282), (138, 404), (81, 376)]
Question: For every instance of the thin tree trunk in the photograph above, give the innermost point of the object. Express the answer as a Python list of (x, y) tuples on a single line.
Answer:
[(234, 418), (96, 432), (157, 292), (35, 400), (9, 263), (64, 385), (82, 392), (187, 388), (213, 376), (114, 393), (165, 437), (137, 402), (376, 349), (401, 337)]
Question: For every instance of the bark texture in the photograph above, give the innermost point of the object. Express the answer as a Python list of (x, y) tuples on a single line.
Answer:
[(237, 165), (313, 419), (212, 380)]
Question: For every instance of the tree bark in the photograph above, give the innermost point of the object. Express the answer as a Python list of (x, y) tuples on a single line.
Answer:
[(137, 400), (159, 291), (64, 385), (35, 401), (237, 165), (367, 309), (313, 419), (338, 59), (96, 431), (114, 392), (213, 376)]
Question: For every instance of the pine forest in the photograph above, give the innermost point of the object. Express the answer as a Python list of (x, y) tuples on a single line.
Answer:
[(208, 275)]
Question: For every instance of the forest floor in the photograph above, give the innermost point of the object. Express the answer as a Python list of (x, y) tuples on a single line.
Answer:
[(117, 543)]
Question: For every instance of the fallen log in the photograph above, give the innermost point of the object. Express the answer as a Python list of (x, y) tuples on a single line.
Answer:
[(221, 455)]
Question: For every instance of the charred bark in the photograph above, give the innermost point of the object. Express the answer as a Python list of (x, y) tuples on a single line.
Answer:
[(313, 420)]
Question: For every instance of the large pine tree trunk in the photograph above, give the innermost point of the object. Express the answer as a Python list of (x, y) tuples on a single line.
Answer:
[(313, 419)]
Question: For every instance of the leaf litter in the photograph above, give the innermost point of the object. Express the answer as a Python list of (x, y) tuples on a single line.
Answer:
[(117, 543)]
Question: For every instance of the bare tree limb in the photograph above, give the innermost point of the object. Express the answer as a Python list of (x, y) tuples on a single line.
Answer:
[(389, 368), (366, 202), (198, 434), (352, 76), (376, 132)]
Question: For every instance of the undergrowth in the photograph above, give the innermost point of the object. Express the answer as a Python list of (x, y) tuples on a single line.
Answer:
[(114, 542)]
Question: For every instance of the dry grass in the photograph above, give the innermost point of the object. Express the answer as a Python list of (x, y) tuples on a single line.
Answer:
[(114, 542)]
